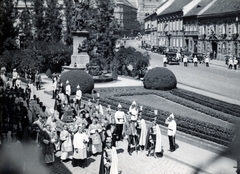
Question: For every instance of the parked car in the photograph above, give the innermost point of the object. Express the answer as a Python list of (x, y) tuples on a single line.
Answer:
[(155, 48), (200, 56), (172, 58), (162, 50), (173, 50)]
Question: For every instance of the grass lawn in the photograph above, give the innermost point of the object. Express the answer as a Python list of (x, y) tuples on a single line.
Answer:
[(164, 104)]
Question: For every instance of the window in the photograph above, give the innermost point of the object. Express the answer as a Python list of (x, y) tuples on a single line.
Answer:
[(180, 25), (234, 28), (177, 25), (224, 48)]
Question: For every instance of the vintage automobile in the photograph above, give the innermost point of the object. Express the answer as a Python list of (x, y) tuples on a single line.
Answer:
[(162, 50), (200, 56), (172, 58), (155, 48)]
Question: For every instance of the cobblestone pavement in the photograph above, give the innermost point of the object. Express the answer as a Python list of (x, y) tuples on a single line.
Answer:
[(138, 163)]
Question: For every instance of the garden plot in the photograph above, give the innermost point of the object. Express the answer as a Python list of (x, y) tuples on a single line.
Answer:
[(166, 105)]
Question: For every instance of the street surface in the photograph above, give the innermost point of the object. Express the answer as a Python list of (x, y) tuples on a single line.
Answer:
[(187, 159), (215, 79)]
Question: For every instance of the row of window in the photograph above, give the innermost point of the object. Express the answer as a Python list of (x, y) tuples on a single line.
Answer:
[(219, 29), (178, 26)]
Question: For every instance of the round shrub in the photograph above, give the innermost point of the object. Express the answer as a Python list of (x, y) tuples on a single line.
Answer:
[(160, 78), (78, 77)]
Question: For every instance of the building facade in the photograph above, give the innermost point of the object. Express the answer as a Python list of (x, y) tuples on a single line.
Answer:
[(126, 15), (207, 26), (145, 7), (170, 24), (219, 29)]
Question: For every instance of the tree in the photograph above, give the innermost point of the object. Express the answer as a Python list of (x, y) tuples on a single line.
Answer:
[(26, 27), (68, 15), (128, 61), (53, 20), (8, 32), (103, 30), (38, 20)]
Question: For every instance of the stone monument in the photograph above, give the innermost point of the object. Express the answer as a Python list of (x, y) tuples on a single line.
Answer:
[(80, 57)]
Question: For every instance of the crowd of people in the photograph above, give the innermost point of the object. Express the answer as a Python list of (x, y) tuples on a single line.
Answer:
[(96, 131)]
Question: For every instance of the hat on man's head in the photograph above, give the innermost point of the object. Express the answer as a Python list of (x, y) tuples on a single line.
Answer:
[(134, 103), (67, 82), (172, 116), (14, 69), (78, 86), (119, 105)]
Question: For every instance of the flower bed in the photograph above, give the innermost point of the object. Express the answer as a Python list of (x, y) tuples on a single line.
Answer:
[(209, 102), (188, 125)]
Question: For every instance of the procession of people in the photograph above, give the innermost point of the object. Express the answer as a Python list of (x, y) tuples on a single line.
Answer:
[(96, 130)]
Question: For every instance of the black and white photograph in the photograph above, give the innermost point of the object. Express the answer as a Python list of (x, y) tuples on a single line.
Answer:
[(119, 87)]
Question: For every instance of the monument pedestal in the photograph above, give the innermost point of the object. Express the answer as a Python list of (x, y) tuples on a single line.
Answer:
[(78, 60)]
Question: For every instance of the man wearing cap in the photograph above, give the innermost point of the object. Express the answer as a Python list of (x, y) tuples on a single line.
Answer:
[(195, 60), (14, 77), (172, 128), (78, 96), (133, 112), (68, 90), (18, 82), (120, 119)]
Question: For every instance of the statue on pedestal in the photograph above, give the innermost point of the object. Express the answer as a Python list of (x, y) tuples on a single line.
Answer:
[(79, 15)]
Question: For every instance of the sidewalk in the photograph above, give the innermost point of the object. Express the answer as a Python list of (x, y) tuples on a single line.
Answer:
[(191, 154), (220, 63)]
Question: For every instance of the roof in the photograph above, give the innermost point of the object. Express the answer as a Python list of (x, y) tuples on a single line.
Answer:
[(176, 6), (125, 2), (197, 8), (220, 7)]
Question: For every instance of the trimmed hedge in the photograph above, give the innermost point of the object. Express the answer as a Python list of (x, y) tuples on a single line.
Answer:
[(209, 102), (160, 78), (78, 77), (103, 79)]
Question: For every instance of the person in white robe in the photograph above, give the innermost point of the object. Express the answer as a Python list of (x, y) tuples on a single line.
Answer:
[(141, 131), (80, 141), (66, 147), (95, 130)]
